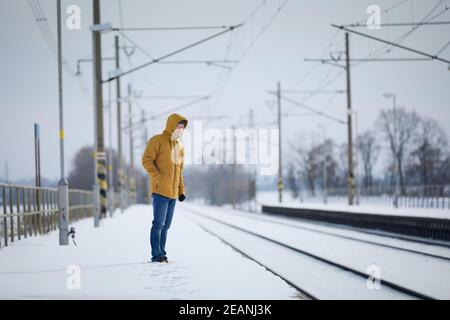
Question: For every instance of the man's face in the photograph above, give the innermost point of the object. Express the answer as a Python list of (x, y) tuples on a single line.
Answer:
[(178, 132)]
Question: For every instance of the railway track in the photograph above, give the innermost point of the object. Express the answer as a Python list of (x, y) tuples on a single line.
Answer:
[(375, 243), (402, 290), (303, 294)]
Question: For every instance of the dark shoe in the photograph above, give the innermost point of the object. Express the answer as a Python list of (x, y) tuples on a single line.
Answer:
[(160, 259), (165, 259)]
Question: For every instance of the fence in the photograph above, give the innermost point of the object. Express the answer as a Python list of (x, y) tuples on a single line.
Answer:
[(31, 211), (431, 196)]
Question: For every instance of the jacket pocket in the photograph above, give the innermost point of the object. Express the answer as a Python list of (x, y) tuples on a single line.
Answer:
[(155, 182), (159, 181)]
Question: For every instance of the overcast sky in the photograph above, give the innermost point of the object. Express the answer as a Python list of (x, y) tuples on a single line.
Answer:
[(28, 77)]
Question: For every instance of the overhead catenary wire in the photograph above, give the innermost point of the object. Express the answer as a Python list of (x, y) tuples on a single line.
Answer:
[(223, 80), (443, 48), (264, 28), (302, 105), (41, 21), (431, 56), (129, 59), (206, 62), (182, 106), (330, 101), (313, 91), (170, 28), (50, 40), (375, 55), (424, 21), (385, 11), (328, 79), (328, 43), (399, 24), (323, 85), (153, 61), (166, 94), (223, 77), (212, 62), (382, 50), (387, 48), (173, 97), (370, 59), (148, 54)]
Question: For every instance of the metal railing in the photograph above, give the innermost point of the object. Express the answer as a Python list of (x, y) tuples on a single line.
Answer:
[(431, 196), (30, 211)]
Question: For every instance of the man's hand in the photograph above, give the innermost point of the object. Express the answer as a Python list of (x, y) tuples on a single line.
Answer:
[(181, 197)]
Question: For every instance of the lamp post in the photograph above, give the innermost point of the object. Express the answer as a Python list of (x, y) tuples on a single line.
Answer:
[(63, 184)]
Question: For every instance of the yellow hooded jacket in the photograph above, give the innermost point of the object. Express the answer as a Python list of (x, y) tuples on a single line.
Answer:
[(163, 159)]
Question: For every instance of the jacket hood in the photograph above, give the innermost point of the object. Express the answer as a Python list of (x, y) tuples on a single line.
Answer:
[(172, 122)]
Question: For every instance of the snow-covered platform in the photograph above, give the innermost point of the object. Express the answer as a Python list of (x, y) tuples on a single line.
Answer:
[(367, 209), (112, 262), (415, 222)]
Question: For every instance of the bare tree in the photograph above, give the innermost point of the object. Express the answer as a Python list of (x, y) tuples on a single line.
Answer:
[(444, 172), (428, 154), (81, 175), (301, 160), (311, 161), (368, 150), (397, 127)]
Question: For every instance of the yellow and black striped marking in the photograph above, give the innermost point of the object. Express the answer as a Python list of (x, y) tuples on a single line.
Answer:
[(102, 182)]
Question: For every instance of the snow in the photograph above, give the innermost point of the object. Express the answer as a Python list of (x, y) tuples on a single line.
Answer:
[(270, 199), (113, 261), (424, 274), (316, 278)]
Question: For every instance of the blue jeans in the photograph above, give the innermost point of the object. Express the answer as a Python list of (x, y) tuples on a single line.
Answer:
[(163, 209)]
